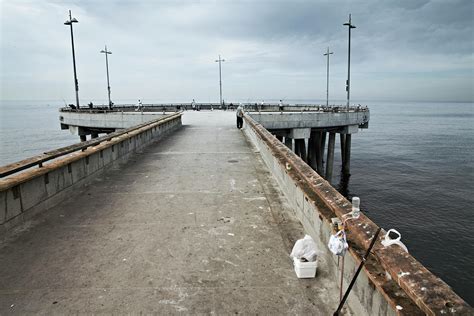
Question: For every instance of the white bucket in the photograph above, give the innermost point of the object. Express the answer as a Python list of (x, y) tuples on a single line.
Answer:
[(305, 269)]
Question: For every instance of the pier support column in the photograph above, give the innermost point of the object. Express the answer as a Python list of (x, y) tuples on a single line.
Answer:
[(347, 156), (342, 138), (323, 149), (280, 138), (299, 135), (83, 138), (300, 149), (94, 135), (289, 142), (312, 150), (319, 157), (330, 157)]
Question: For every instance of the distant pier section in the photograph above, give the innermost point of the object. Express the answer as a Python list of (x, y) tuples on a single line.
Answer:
[(308, 130)]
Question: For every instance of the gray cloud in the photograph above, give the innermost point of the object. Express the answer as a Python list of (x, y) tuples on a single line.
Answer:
[(166, 50)]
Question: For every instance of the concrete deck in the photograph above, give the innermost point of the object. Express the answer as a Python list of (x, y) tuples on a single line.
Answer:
[(194, 224)]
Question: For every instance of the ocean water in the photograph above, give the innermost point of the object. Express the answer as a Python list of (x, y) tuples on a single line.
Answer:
[(30, 128), (413, 170)]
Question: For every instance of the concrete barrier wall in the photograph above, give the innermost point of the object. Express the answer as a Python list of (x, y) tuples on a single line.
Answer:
[(392, 282), (27, 193), (286, 120), (107, 119)]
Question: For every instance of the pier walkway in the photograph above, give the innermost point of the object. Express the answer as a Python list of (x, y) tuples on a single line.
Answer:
[(193, 224)]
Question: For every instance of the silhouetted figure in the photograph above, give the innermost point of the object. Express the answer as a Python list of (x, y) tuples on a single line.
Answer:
[(72, 106), (91, 105), (139, 106), (240, 116)]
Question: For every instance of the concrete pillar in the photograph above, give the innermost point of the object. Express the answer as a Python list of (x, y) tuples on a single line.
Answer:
[(312, 148), (83, 138), (94, 135), (303, 152), (319, 157), (347, 156), (342, 138), (330, 158), (296, 150), (300, 149), (289, 142), (323, 147)]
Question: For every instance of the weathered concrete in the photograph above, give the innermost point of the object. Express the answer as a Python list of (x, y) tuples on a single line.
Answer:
[(79, 122), (301, 120), (193, 224)]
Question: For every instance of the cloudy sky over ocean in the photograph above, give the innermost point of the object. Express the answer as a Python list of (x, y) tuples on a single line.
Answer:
[(166, 50)]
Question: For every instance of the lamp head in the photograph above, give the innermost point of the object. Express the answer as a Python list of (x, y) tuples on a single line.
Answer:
[(69, 22)]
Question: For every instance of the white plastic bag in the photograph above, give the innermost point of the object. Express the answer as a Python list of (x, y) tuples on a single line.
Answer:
[(387, 241), (305, 249), (338, 244)]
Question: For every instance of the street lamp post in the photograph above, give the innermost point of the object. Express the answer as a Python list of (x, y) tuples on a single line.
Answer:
[(106, 52), (327, 75), (220, 77), (76, 83), (348, 82)]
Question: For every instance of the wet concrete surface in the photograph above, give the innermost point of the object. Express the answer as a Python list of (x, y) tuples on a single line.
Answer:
[(194, 224)]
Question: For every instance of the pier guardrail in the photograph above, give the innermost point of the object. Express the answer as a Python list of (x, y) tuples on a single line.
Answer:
[(53, 154), (394, 275), (268, 107)]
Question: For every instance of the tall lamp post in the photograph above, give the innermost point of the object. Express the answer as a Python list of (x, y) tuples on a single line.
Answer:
[(220, 77), (76, 83), (348, 82), (106, 52), (327, 75)]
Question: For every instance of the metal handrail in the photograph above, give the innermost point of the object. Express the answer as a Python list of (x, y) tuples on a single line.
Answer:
[(49, 155)]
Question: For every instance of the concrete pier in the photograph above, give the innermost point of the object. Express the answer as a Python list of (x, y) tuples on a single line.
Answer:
[(193, 224), (194, 219), (310, 125)]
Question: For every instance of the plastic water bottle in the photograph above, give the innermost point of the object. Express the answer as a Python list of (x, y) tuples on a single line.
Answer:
[(355, 207)]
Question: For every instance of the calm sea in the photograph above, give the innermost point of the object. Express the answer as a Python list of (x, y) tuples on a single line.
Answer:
[(413, 170)]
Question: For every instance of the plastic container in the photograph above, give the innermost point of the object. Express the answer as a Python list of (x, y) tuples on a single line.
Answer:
[(305, 270), (355, 207)]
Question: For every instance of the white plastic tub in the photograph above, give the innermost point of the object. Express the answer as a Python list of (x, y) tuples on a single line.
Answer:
[(305, 269)]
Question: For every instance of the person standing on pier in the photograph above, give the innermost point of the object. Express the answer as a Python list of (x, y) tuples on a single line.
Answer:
[(193, 105), (139, 105), (240, 116)]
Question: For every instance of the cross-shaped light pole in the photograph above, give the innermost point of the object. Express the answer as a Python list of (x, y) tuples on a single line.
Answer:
[(327, 79), (220, 77), (106, 52), (348, 82), (76, 83)]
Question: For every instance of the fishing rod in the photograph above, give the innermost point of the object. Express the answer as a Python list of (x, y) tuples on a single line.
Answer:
[(364, 259)]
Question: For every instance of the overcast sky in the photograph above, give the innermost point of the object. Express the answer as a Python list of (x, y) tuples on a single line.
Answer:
[(166, 50)]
